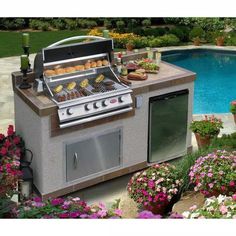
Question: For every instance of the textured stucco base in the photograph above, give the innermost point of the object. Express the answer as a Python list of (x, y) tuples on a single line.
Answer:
[(49, 159)]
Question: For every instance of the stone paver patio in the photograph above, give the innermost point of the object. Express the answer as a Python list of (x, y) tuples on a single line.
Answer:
[(110, 190)]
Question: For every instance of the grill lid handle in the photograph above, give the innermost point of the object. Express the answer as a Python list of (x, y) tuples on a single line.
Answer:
[(75, 38)]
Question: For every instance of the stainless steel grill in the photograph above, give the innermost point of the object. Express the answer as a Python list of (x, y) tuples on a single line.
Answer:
[(80, 65)]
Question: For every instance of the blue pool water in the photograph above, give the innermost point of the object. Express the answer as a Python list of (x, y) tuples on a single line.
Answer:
[(215, 86)]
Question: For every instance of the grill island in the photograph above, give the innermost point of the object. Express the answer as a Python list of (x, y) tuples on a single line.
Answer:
[(88, 127)]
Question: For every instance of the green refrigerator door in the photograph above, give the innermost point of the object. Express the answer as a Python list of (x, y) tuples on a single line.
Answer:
[(167, 126)]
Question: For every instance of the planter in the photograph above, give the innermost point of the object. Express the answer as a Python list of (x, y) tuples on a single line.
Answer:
[(129, 47), (234, 115), (220, 41), (157, 209), (196, 42), (204, 141)]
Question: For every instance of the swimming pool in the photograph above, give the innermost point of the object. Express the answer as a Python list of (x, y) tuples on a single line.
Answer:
[(215, 86)]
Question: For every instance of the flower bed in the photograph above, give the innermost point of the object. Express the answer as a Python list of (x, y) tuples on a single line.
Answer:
[(63, 208), (215, 173), (222, 207), (154, 188)]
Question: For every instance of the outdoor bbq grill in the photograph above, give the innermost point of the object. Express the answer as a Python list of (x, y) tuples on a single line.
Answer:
[(79, 78)]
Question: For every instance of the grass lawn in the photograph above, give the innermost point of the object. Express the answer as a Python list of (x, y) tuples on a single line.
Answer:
[(10, 42)]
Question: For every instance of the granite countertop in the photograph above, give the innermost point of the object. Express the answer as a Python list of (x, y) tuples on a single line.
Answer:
[(169, 75)]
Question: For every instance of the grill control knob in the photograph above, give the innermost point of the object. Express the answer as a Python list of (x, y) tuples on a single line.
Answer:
[(88, 107), (105, 103), (69, 111), (96, 105), (121, 99)]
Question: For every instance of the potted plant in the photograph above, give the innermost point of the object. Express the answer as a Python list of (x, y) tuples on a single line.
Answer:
[(220, 38), (233, 110), (205, 130), (214, 174), (196, 34), (154, 189), (129, 46)]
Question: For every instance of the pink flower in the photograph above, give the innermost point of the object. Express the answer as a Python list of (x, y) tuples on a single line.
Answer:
[(102, 213), (118, 212), (231, 183), (2, 136), (192, 208), (210, 175), (16, 140), (221, 172), (223, 188), (3, 151), (10, 130), (151, 184), (211, 185), (233, 103), (234, 197), (191, 174), (223, 209)]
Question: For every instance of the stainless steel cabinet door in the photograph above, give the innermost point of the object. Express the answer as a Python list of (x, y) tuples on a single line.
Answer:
[(93, 155)]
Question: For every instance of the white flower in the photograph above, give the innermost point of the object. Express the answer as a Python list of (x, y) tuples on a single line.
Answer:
[(153, 177), (177, 181), (221, 198), (194, 215), (76, 199), (144, 173), (186, 214)]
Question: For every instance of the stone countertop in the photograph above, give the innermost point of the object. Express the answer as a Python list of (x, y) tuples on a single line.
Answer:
[(169, 75)]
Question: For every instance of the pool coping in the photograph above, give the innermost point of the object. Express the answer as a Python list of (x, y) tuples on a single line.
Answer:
[(190, 47)]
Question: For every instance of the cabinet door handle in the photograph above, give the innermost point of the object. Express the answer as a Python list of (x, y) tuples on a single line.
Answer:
[(75, 160)]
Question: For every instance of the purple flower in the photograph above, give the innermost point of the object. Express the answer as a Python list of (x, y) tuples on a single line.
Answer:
[(151, 184), (102, 206), (64, 215), (118, 212), (37, 199), (210, 175), (94, 216), (38, 204), (175, 215), (84, 216), (148, 215), (57, 201), (74, 214), (102, 213)]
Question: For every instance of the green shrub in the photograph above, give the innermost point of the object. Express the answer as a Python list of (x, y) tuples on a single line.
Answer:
[(231, 40), (58, 23), (141, 42), (132, 23), (181, 32), (107, 23), (197, 32), (35, 24), (146, 22), (71, 24), (163, 41), (91, 24), (137, 30), (153, 32), (120, 24), (227, 142), (12, 23)]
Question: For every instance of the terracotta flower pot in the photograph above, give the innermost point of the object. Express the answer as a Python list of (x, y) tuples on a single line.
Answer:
[(220, 41), (129, 47), (196, 42), (234, 118), (204, 141)]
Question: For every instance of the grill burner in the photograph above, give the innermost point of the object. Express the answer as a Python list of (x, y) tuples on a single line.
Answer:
[(79, 97)]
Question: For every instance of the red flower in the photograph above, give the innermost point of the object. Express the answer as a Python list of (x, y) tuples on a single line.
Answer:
[(7, 144), (18, 152), (10, 130), (16, 140), (3, 151), (2, 137)]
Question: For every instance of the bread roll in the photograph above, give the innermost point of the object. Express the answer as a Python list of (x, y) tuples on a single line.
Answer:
[(105, 62), (99, 63), (93, 64), (49, 72), (87, 65), (79, 67), (70, 69), (60, 71)]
